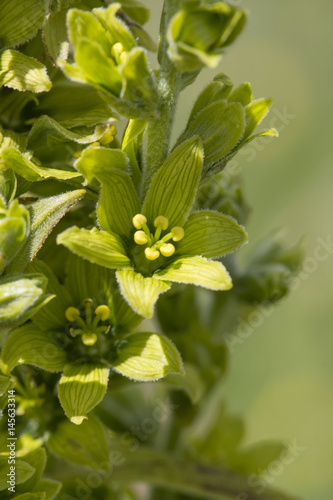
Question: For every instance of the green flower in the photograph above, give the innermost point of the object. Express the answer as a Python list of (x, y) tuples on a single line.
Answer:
[(84, 332), (107, 57), (198, 34), (160, 241)]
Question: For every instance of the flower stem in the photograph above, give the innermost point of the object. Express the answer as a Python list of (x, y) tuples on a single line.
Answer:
[(158, 132)]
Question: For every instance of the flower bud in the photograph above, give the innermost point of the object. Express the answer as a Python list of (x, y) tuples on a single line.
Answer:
[(198, 34), (107, 57)]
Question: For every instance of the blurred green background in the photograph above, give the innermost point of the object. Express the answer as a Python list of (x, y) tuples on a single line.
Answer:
[(281, 376)]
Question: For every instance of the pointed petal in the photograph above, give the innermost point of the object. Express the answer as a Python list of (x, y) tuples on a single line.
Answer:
[(119, 201), (147, 356), (29, 345), (197, 271), (81, 388), (174, 186), (211, 234), (141, 293), (99, 247)]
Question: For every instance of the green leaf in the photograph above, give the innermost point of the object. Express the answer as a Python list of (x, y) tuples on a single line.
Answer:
[(8, 186), (47, 135), (147, 357), (81, 105), (141, 293), (49, 487), (96, 162), (139, 82), (29, 345), (84, 445), (221, 86), (21, 296), (14, 231), (192, 383), (23, 471), (135, 10), (51, 316), (84, 25), (187, 477), (211, 234), (20, 72), (143, 38), (37, 460), (258, 456), (55, 34), (220, 126), (132, 135), (81, 388), (4, 384), (255, 112), (242, 94), (174, 186), (45, 214), (99, 247), (22, 165), (197, 271), (20, 21)]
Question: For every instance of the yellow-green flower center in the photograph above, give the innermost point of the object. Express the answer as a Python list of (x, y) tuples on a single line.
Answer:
[(87, 325), (156, 243)]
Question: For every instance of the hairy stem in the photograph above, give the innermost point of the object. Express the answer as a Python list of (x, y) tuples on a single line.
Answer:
[(157, 135)]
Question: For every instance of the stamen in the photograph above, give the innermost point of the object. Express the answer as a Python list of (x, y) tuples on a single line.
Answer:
[(151, 253), (72, 314), (167, 249), (178, 233), (116, 51), (109, 135), (163, 221), (140, 237), (103, 312), (139, 221)]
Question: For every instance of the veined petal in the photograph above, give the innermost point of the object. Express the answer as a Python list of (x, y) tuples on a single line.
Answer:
[(99, 247), (211, 234), (81, 388), (118, 202), (29, 345), (174, 186), (141, 293), (97, 162), (147, 356), (197, 271)]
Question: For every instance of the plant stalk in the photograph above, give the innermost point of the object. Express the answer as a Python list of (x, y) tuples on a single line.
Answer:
[(158, 132)]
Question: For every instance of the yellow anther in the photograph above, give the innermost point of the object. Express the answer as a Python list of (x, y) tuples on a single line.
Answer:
[(107, 138), (140, 238), (94, 145), (161, 221), (167, 249), (103, 312), (117, 50), (139, 220), (89, 339), (108, 135), (72, 313), (178, 233), (151, 253)]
